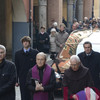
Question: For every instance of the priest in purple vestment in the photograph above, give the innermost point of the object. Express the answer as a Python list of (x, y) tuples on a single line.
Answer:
[(41, 79)]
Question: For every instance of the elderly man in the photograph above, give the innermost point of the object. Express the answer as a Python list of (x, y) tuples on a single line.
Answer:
[(41, 79), (76, 78), (54, 25), (91, 60), (7, 77)]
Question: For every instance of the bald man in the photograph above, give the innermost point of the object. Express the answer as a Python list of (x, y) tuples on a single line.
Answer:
[(41, 79), (76, 78)]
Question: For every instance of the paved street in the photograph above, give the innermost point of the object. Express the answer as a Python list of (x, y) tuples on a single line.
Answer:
[(18, 95)]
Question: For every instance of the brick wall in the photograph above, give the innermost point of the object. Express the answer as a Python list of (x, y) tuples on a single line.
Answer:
[(54, 11), (87, 8)]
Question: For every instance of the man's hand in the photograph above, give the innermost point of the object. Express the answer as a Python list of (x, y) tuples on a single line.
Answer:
[(61, 45), (17, 84), (39, 87), (74, 97)]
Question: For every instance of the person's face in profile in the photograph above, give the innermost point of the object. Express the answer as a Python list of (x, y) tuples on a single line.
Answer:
[(40, 60), (87, 48)]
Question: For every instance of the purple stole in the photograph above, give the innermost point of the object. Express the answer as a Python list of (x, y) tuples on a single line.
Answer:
[(81, 95), (46, 78)]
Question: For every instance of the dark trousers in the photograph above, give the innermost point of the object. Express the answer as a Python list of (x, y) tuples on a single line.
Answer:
[(25, 93)]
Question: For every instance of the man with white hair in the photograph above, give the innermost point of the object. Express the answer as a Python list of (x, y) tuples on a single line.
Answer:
[(41, 79), (7, 77), (54, 25), (76, 78)]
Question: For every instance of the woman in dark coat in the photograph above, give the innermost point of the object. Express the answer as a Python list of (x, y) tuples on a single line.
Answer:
[(43, 44)]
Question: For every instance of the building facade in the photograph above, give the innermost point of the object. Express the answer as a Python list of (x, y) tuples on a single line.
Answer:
[(96, 8), (15, 15)]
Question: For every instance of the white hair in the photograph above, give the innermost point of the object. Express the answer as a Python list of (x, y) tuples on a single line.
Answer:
[(55, 24), (42, 54), (75, 57), (3, 48)]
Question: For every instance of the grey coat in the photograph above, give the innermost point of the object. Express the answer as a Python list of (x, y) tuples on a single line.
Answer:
[(61, 38)]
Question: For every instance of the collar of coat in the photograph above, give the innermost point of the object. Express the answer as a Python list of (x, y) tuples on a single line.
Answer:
[(85, 55), (76, 75)]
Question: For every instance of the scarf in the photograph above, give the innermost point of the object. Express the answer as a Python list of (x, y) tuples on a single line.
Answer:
[(46, 77)]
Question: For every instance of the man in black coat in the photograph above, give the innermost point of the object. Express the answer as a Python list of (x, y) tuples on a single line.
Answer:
[(41, 79), (7, 77), (24, 60), (76, 78), (91, 60)]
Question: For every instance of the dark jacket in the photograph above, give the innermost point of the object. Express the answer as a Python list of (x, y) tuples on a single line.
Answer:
[(77, 80), (24, 61), (49, 88), (93, 63), (7, 80), (43, 42)]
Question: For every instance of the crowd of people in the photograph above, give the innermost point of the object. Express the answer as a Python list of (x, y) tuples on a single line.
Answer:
[(37, 79), (52, 40), (90, 23)]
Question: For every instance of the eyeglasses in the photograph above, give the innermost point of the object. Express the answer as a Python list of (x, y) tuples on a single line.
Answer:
[(1, 52), (73, 65), (87, 47), (40, 59)]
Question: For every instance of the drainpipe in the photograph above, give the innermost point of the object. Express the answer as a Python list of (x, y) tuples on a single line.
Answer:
[(30, 18)]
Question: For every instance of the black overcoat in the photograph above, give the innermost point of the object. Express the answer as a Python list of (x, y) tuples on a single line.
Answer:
[(7, 80), (24, 61), (93, 63), (43, 42)]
